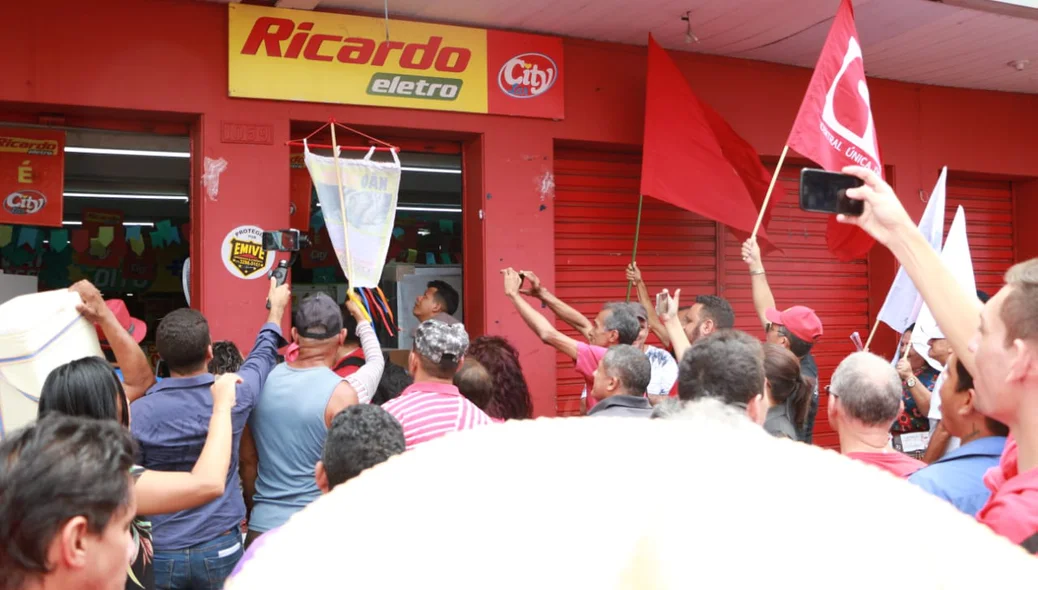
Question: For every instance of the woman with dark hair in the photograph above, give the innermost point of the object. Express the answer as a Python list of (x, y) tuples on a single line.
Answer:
[(89, 387), (510, 398), (789, 391), (226, 358)]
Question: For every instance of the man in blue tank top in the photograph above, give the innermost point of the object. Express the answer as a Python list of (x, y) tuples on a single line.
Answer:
[(299, 400)]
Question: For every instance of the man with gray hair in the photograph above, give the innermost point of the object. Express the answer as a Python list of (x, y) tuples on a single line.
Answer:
[(433, 406), (864, 400), (612, 326), (619, 383)]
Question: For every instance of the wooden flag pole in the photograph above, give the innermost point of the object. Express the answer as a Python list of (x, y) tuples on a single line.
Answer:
[(871, 334), (637, 231), (342, 205), (767, 197)]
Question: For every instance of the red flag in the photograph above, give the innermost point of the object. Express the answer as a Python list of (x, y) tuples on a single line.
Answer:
[(691, 158), (834, 126)]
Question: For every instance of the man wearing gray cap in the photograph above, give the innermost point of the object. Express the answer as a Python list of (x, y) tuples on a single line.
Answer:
[(299, 401), (433, 406)]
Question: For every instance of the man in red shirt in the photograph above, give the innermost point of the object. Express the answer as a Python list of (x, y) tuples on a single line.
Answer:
[(864, 400), (997, 342)]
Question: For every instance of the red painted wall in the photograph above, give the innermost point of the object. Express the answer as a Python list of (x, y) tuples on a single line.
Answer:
[(171, 56)]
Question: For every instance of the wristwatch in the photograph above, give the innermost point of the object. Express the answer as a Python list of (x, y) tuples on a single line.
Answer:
[(910, 382)]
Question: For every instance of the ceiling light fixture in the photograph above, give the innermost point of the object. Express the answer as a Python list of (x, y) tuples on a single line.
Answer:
[(431, 170), (430, 209), (182, 198), (689, 35), (1019, 64), (125, 223), (117, 152)]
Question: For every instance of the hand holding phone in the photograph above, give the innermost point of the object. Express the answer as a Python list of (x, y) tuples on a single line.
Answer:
[(826, 192)]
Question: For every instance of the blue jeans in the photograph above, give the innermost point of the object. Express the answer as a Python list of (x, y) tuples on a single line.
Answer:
[(202, 567)]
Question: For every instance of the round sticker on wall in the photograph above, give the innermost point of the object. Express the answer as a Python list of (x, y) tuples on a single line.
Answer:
[(243, 254)]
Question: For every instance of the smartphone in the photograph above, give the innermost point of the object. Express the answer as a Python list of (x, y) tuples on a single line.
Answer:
[(822, 191), (284, 240), (661, 303)]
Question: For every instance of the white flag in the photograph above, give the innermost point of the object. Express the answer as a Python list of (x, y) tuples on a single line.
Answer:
[(956, 257), (903, 301), (364, 209)]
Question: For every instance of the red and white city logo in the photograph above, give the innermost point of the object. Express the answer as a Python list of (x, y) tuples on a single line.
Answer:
[(527, 75), (25, 202)]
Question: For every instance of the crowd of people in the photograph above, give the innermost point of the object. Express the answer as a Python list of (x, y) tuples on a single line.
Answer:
[(128, 481)]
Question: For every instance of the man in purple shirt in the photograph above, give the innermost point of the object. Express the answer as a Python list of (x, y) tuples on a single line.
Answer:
[(198, 548)]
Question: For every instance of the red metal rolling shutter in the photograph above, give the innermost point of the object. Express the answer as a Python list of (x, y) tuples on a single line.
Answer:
[(804, 273), (596, 204), (989, 226)]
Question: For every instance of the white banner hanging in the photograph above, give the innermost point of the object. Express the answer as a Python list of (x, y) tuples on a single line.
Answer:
[(358, 202)]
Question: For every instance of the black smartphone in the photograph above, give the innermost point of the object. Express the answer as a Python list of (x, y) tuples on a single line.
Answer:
[(284, 240), (822, 191)]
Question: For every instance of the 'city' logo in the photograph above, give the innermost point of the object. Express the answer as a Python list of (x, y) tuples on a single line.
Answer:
[(527, 75), (25, 202)]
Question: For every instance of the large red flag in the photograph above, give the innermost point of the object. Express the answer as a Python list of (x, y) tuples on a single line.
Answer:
[(691, 158), (834, 126)]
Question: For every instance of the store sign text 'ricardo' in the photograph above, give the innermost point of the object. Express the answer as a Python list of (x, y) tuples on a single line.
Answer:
[(321, 57)]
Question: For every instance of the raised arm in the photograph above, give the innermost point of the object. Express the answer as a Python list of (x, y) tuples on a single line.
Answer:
[(675, 333), (365, 381), (136, 370), (537, 322), (264, 354), (763, 300), (560, 308), (159, 492), (884, 218), (634, 275)]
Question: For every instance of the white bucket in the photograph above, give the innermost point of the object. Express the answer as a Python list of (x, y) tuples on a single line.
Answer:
[(38, 332)]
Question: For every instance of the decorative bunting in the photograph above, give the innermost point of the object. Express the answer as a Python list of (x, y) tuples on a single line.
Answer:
[(80, 240), (28, 236), (58, 239), (6, 235), (133, 233), (97, 249), (105, 235)]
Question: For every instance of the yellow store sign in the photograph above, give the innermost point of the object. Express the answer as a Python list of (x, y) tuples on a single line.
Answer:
[(333, 58)]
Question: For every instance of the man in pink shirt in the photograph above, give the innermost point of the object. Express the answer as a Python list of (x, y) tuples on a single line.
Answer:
[(613, 325), (996, 341), (864, 400), (433, 406)]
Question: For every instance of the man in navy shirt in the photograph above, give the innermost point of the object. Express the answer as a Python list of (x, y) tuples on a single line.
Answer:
[(199, 548), (958, 476)]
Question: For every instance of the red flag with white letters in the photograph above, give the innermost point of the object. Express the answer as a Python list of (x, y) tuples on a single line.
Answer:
[(835, 127)]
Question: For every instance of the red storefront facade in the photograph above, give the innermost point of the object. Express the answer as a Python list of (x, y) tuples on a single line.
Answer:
[(155, 65)]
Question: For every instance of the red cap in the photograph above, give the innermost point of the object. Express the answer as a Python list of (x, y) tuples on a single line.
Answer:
[(135, 327), (801, 321)]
